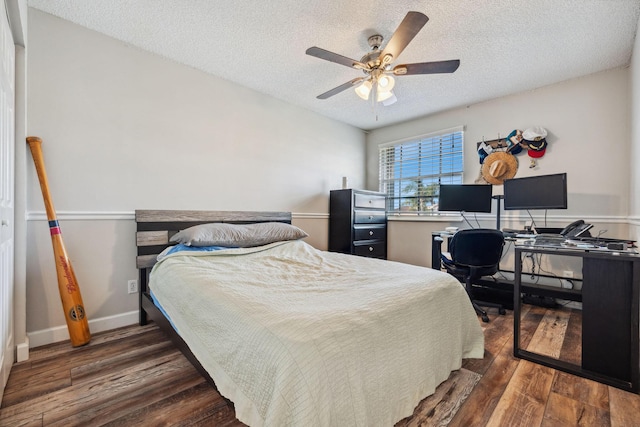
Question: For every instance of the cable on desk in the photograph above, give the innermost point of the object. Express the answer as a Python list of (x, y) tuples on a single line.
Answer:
[(551, 274), (533, 223), (506, 250), (533, 264), (465, 218), (475, 216), (536, 261), (533, 267)]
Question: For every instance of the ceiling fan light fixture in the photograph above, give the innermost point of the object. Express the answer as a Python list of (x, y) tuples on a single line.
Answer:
[(391, 100), (383, 96), (386, 83), (364, 89)]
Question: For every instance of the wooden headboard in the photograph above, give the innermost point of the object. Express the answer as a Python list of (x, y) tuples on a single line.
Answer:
[(154, 228)]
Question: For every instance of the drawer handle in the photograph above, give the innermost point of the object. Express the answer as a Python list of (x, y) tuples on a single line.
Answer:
[(370, 216), (370, 249), (370, 201), (370, 232)]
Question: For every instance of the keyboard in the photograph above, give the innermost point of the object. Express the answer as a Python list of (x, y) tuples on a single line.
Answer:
[(514, 231), (518, 234), (549, 236), (525, 236), (548, 240)]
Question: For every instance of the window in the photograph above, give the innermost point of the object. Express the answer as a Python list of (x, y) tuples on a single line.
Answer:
[(411, 171)]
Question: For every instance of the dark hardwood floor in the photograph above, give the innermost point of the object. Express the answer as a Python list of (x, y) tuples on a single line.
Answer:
[(135, 376)]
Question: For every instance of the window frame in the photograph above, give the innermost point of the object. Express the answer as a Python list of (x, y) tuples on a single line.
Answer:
[(453, 173)]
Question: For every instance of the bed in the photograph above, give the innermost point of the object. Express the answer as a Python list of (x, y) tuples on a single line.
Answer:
[(297, 336)]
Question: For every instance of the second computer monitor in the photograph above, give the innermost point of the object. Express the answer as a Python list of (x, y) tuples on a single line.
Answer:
[(465, 198), (536, 192)]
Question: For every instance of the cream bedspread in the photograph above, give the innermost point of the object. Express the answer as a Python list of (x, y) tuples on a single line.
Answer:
[(295, 336)]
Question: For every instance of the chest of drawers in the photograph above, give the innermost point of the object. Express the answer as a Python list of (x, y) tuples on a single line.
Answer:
[(358, 223)]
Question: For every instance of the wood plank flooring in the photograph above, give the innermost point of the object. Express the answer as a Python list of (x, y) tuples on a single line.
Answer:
[(135, 376)]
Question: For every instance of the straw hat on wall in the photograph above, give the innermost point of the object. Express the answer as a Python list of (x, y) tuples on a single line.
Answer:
[(499, 166)]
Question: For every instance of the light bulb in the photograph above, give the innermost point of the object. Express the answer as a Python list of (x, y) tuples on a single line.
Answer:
[(363, 90), (386, 83)]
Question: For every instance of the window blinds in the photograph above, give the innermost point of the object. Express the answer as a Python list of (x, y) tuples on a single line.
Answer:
[(411, 171)]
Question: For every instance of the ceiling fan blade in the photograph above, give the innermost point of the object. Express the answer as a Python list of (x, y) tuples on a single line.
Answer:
[(427, 67), (334, 57), (407, 30), (337, 90)]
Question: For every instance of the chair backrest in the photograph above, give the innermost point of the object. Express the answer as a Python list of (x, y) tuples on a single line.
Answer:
[(477, 247)]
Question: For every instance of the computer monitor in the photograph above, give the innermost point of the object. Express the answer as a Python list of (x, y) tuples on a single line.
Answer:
[(465, 198), (536, 192)]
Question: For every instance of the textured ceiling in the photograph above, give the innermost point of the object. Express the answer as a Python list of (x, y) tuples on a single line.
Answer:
[(504, 46)]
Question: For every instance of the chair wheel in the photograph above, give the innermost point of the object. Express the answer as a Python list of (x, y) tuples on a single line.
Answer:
[(485, 318), (502, 311)]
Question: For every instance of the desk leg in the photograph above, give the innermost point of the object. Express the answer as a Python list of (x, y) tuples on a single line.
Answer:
[(607, 330), (517, 277)]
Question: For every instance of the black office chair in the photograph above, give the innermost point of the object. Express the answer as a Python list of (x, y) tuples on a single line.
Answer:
[(475, 253)]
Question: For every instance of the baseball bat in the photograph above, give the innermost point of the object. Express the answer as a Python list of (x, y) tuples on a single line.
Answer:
[(74, 312)]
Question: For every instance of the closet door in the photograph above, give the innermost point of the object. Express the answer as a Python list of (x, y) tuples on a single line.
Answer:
[(7, 149)]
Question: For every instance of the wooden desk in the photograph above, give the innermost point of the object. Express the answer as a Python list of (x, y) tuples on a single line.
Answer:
[(610, 316)]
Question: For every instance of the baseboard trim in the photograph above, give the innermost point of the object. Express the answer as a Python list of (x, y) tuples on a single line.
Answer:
[(22, 350), (61, 333)]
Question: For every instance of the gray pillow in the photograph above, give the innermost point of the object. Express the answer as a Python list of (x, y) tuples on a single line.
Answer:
[(238, 235)]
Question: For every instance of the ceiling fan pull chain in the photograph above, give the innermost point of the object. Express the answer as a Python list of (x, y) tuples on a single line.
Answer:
[(374, 96)]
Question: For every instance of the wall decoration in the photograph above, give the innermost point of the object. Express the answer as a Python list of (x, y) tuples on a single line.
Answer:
[(487, 147), (513, 144), (536, 140), (532, 140), (498, 166)]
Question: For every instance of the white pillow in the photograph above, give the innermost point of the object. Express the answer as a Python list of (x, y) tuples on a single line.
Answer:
[(238, 235)]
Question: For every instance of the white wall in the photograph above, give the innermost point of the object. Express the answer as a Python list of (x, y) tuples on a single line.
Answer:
[(588, 121), (123, 129)]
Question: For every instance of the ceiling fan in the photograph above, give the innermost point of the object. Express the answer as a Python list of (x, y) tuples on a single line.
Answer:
[(376, 65)]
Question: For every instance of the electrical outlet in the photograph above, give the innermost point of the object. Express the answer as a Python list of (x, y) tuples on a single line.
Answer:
[(132, 286), (566, 284), (568, 274)]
